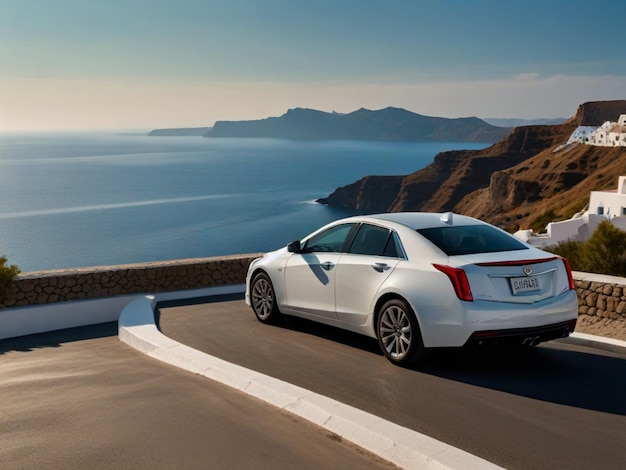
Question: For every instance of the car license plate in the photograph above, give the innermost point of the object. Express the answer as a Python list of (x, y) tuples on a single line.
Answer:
[(524, 284)]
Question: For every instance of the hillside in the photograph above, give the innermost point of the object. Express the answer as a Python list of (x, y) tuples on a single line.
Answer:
[(509, 183), (548, 181), (393, 124)]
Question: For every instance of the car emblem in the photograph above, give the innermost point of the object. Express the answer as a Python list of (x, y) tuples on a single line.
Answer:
[(528, 270)]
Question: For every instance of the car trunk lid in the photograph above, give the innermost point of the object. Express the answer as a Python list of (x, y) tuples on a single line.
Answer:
[(514, 278)]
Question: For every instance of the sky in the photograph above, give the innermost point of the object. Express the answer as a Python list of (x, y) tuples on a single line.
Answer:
[(144, 64)]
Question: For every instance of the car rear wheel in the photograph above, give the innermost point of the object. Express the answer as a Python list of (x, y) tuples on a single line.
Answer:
[(263, 299), (399, 335)]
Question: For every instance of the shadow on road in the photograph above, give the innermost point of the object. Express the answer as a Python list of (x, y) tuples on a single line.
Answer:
[(550, 372), (54, 339), (330, 333)]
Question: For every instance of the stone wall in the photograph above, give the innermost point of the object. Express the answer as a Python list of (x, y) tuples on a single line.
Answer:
[(601, 296), (601, 299), (44, 287)]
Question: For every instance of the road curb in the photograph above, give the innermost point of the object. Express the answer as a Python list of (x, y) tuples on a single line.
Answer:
[(596, 342), (394, 443)]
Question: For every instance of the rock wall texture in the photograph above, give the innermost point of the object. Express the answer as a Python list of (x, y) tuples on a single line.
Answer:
[(43, 287), (601, 299)]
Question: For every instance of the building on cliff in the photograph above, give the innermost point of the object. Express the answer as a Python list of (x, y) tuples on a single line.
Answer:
[(603, 205), (609, 134)]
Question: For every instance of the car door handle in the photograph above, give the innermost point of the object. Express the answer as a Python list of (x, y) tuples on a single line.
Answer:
[(327, 265), (380, 267)]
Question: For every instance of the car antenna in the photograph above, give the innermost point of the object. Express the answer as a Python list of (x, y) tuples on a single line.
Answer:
[(447, 218)]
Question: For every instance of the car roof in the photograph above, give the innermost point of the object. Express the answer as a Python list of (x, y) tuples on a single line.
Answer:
[(417, 220)]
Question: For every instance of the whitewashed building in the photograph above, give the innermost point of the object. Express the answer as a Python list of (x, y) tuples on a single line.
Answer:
[(603, 205), (582, 134), (609, 134)]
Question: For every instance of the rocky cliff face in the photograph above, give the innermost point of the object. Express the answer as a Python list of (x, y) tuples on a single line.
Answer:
[(595, 113), (452, 175), (509, 183), (560, 182)]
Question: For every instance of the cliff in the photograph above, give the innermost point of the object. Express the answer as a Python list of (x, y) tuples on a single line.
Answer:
[(595, 113), (394, 124), (509, 183)]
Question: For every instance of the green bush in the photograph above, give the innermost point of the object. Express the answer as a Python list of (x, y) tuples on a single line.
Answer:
[(603, 253), (571, 250), (7, 274)]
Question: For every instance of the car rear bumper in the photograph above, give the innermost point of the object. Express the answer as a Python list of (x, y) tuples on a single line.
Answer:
[(522, 336), (462, 322)]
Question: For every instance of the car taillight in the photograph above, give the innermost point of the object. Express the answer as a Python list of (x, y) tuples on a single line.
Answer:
[(459, 281), (570, 276)]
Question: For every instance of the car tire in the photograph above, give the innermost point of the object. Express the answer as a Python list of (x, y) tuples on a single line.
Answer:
[(399, 334), (263, 299)]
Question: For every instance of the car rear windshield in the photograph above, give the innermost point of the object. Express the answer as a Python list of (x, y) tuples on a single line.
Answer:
[(471, 239)]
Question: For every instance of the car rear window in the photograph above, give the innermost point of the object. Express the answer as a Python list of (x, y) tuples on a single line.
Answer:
[(471, 239)]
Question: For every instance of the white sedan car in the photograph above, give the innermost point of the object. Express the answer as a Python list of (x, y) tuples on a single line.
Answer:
[(417, 281)]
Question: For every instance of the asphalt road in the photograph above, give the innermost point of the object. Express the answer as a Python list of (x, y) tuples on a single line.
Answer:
[(81, 399), (554, 406)]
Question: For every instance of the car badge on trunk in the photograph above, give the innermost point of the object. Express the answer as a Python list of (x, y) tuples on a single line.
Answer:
[(528, 270)]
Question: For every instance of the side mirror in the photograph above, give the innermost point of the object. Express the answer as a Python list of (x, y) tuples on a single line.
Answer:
[(294, 247)]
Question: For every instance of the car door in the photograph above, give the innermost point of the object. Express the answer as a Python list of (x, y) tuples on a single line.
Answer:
[(371, 258), (310, 274)]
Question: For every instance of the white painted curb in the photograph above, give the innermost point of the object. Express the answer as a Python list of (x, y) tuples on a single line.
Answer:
[(399, 445), (592, 341)]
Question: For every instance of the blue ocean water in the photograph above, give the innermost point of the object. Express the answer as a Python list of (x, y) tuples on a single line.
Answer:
[(89, 199)]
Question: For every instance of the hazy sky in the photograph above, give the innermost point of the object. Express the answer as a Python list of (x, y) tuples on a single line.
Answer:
[(142, 64)]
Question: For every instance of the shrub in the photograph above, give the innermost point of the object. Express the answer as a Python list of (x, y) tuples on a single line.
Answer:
[(7, 275), (573, 251), (603, 253)]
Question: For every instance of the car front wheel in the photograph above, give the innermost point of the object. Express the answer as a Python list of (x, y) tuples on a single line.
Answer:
[(263, 299), (399, 334)]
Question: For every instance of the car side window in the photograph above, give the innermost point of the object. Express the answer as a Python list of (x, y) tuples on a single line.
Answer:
[(394, 247), (372, 240), (331, 240)]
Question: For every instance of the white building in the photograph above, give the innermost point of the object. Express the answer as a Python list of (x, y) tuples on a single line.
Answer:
[(611, 203), (609, 134), (603, 205), (582, 134)]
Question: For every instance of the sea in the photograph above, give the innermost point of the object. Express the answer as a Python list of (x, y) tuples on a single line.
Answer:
[(82, 199)]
